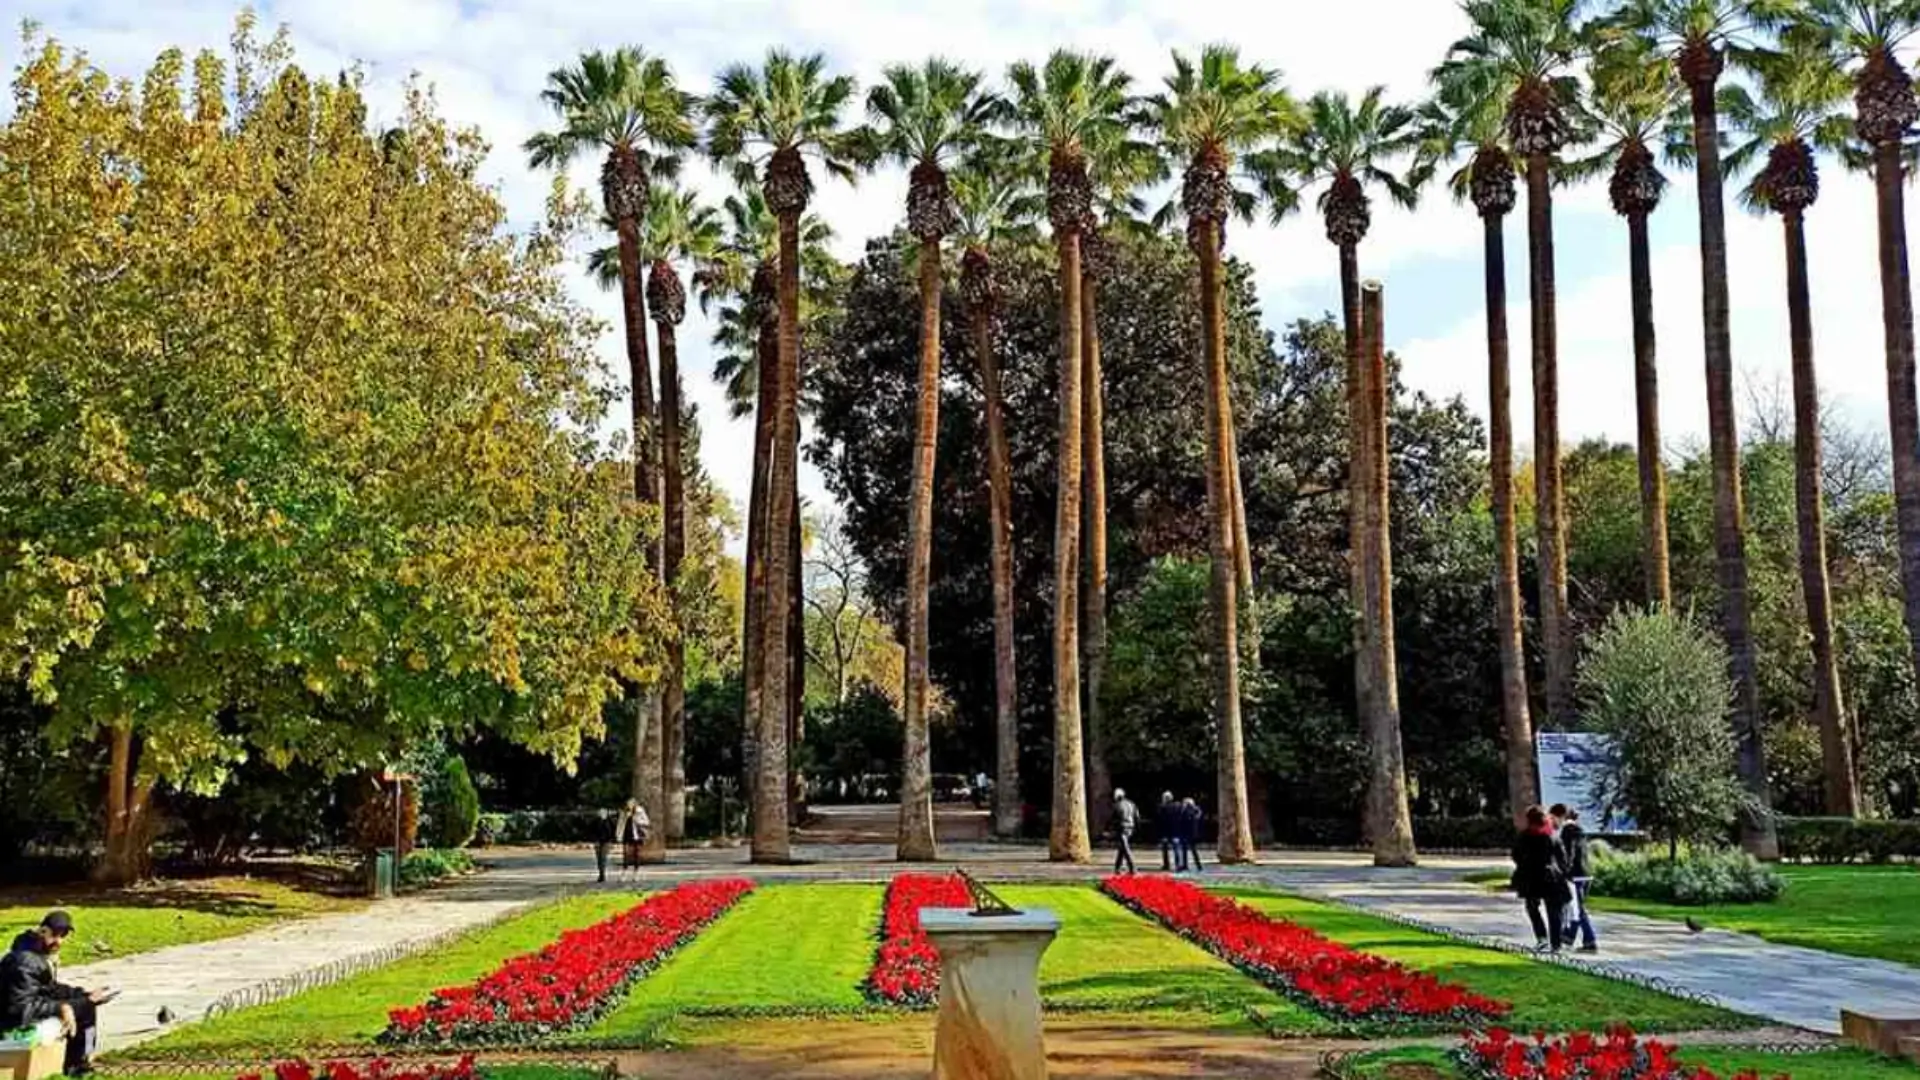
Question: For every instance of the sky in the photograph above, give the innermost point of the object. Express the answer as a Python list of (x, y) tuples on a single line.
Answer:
[(487, 59)]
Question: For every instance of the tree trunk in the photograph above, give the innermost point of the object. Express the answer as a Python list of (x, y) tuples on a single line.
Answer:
[(1646, 402), (1903, 413), (1358, 557), (753, 668), (1242, 558), (1523, 781), (649, 758), (1094, 599), (1729, 524), (796, 662), (1556, 639), (1392, 831), (128, 856), (1829, 707), (673, 550), (771, 840), (1236, 825), (1006, 676), (1068, 841), (916, 842)]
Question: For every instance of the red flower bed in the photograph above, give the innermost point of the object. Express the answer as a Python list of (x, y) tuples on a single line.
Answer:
[(1294, 960), (1617, 1055), (377, 1069), (570, 983), (906, 970)]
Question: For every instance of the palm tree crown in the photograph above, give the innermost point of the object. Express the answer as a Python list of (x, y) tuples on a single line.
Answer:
[(678, 228), (735, 283), (1474, 129), (1633, 105), (1212, 116), (1071, 109), (1698, 34), (993, 207), (626, 103), (1348, 146), (762, 123), (1866, 32), (927, 118), (1798, 111), (1518, 56)]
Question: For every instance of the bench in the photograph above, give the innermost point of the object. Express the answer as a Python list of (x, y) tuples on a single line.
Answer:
[(1884, 1035), (37, 1052)]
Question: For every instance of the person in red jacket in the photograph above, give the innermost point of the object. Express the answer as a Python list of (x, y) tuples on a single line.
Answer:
[(1540, 878)]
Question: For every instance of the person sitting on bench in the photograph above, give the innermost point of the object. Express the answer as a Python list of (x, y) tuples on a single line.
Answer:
[(29, 994)]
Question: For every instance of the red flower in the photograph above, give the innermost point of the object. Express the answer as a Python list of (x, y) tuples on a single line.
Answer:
[(570, 983), (1300, 963), (379, 1069), (906, 968), (1616, 1055)]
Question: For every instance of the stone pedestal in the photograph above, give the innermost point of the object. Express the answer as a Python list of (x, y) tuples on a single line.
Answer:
[(989, 1026)]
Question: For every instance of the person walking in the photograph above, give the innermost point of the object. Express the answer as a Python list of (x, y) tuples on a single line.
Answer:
[(29, 994), (603, 837), (1573, 838), (1540, 878), (633, 833), (1126, 818), (1190, 818), (1166, 823)]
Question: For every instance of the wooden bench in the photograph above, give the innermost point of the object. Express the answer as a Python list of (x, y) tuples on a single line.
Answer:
[(19, 1061), (1885, 1035)]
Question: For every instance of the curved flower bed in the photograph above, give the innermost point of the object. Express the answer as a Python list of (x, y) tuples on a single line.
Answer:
[(570, 983), (377, 1069), (906, 969), (1319, 973), (1617, 1055)]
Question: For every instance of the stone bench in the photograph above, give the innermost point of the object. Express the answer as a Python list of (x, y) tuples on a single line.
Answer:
[(1883, 1035), (34, 1057)]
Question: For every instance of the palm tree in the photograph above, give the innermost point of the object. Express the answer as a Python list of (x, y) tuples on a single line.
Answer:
[(1066, 110), (761, 124), (1697, 35), (626, 104), (1864, 34), (1212, 113), (995, 208), (1476, 130), (1516, 60), (1798, 111), (1633, 101), (924, 118), (1346, 146)]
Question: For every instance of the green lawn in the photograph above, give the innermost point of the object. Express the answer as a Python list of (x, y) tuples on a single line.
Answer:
[(1543, 995), (355, 1010), (1823, 1065), (783, 948), (1855, 910), (110, 923)]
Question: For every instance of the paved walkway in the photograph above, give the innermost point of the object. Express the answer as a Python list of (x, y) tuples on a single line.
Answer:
[(1804, 988)]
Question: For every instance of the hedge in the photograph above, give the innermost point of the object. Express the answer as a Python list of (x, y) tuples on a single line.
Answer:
[(1845, 840), (537, 827)]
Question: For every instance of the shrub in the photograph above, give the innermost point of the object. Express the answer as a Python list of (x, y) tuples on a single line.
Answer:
[(535, 827), (454, 814), (1845, 840), (1697, 876), (373, 819), (423, 865), (1656, 683)]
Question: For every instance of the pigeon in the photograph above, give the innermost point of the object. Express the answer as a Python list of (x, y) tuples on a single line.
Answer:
[(165, 1016), (1694, 925)]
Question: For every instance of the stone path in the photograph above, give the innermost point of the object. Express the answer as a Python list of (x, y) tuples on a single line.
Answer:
[(1786, 984), (187, 979)]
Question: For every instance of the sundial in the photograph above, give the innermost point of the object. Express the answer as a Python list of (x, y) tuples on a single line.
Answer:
[(985, 904)]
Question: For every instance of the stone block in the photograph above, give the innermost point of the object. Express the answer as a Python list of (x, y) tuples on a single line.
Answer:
[(32, 1063), (1884, 1035)]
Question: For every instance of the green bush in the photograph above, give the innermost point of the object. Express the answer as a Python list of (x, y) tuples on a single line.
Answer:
[(1696, 876), (423, 865), (536, 827), (1846, 840), (454, 813)]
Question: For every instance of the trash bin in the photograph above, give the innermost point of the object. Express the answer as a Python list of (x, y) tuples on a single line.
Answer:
[(380, 875)]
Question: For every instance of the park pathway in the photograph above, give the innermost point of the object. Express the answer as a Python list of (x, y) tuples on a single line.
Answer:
[(188, 979), (1787, 984)]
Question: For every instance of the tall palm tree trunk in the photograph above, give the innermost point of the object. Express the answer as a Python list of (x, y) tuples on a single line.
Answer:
[(1523, 782), (796, 659), (1729, 518), (1556, 638), (1236, 826), (1358, 556), (1836, 749), (1903, 411), (1068, 841), (649, 758), (673, 698), (753, 650), (1242, 557), (916, 841), (1006, 676), (771, 840), (1392, 832), (1646, 403), (1094, 599)]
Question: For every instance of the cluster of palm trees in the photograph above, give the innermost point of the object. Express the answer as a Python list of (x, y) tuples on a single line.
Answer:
[(1071, 145)]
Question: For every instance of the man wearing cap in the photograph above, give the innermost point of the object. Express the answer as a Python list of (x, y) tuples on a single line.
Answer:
[(29, 994)]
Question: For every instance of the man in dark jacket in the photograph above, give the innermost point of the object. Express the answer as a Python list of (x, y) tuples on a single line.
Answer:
[(603, 839), (29, 994), (1126, 818), (1166, 822), (1190, 816), (1579, 875)]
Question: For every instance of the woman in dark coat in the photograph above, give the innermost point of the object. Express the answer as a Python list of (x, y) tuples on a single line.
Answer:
[(1540, 877)]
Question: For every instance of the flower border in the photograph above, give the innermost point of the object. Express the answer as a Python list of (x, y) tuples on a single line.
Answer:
[(906, 967), (1618, 1054)]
